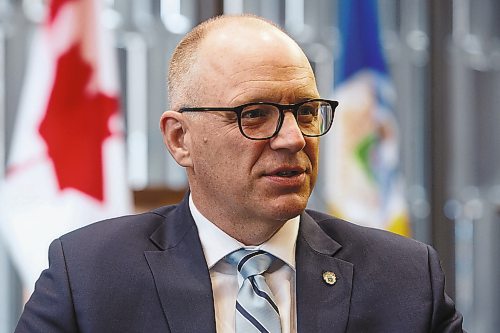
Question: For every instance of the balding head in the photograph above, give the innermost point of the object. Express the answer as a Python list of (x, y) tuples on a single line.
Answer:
[(210, 44)]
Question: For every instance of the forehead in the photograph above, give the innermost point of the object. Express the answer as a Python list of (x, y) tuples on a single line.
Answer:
[(244, 63)]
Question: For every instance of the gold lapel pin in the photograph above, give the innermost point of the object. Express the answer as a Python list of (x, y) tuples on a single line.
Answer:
[(329, 278)]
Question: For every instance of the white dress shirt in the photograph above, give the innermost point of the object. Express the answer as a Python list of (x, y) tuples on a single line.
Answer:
[(280, 277)]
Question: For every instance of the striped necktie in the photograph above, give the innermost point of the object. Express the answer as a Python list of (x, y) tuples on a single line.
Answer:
[(256, 310)]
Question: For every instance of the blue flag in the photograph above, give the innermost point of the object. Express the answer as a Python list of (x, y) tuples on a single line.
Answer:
[(364, 182)]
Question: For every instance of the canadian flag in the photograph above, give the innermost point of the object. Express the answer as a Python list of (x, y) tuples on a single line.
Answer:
[(66, 166)]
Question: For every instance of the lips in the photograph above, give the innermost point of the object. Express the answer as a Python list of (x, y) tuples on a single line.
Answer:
[(286, 178), (286, 172)]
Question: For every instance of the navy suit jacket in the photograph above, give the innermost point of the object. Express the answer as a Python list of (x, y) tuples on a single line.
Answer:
[(147, 273)]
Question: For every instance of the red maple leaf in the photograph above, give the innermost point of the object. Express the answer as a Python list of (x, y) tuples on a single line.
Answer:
[(55, 5), (75, 126)]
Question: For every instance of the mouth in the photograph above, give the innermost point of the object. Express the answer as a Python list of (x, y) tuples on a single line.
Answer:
[(289, 179), (286, 172)]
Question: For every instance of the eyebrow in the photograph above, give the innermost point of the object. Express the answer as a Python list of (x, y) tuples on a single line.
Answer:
[(272, 100)]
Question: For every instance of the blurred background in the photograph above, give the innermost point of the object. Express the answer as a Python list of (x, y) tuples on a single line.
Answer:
[(443, 59)]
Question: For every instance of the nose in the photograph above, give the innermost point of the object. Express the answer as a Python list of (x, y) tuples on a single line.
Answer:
[(289, 136)]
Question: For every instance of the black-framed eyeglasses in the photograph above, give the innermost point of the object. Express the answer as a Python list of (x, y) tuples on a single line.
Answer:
[(262, 120)]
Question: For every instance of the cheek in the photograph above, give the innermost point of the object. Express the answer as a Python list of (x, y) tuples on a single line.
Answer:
[(240, 152), (312, 152), (219, 157), (222, 150)]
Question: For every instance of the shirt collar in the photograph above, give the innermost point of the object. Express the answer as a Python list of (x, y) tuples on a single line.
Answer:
[(217, 244)]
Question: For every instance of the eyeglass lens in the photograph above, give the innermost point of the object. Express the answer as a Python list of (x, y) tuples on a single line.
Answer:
[(260, 121)]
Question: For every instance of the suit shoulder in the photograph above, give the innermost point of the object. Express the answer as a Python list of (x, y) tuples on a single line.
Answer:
[(120, 227), (353, 236)]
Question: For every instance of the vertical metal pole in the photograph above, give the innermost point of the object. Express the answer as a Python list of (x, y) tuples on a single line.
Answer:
[(172, 18), (294, 16), (465, 213), (5, 268), (233, 6), (5, 300), (461, 151), (464, 265), (10, 286), (209, 8), (3, 138), (414, 116), (137, 110), (485, 302), (442, 230)]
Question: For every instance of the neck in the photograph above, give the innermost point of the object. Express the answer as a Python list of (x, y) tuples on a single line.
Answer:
[(249, 230)]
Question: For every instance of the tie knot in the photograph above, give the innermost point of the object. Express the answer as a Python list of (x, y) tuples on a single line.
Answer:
[(250, 262)]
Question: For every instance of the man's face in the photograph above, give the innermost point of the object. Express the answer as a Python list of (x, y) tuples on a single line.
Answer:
[(235, 177)]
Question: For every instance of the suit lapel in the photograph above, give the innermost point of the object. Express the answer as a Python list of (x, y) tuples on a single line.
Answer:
[(183, 282), (321, 307), (181, 275)]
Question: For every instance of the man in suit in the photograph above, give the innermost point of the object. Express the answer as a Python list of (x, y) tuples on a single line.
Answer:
[(244, 122)]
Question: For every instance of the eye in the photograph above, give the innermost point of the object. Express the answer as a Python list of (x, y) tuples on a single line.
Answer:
[(255, 113), (308, 110), (307, 113), (259, 114)]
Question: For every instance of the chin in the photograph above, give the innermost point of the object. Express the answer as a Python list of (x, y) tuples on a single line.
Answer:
[(286, 208)]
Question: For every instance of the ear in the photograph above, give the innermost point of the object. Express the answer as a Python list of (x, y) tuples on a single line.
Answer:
[(176, 137)]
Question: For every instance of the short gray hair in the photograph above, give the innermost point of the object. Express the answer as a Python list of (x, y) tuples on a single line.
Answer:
[(182, 82)]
